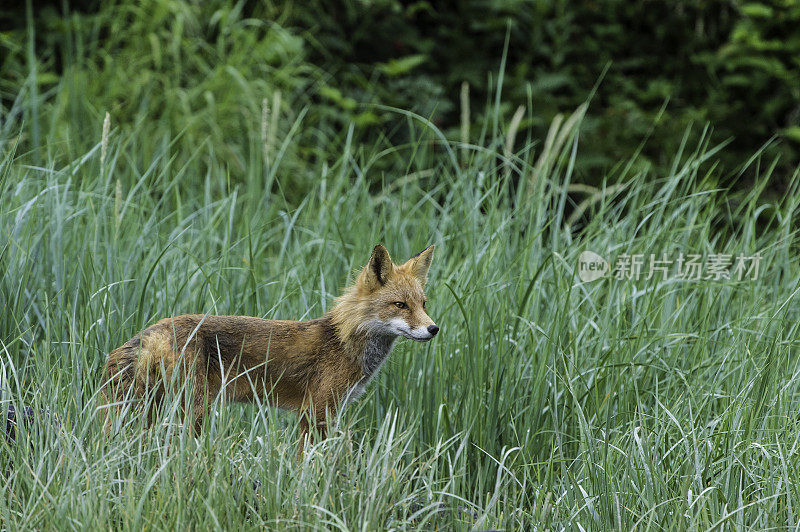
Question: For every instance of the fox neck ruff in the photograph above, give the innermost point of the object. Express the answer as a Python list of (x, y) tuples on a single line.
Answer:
[(367, 339)]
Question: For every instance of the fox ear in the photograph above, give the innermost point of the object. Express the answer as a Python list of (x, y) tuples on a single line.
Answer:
[(379, 268), (420, 263)]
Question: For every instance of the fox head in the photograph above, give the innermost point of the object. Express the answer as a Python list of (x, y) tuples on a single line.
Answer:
[(388, 298)]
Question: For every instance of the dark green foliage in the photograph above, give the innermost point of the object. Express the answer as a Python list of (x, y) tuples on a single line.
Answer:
[(758, 72), (732, 63), (189, 66)]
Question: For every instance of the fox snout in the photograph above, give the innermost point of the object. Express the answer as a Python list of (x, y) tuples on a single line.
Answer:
[(432, 331), (424, 335), (420, 326), (420, 333)]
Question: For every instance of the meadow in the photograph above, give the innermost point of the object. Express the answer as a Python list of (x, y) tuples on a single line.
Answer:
[(545, 402)]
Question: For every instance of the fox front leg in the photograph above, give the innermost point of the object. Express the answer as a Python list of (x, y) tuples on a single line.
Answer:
[(306, 434)]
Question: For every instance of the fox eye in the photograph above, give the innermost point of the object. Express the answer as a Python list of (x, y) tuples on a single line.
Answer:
[(400, 304), (424, 303)]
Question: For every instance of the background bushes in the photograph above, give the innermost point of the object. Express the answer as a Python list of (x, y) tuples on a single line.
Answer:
[(650, 69), (669, 65)]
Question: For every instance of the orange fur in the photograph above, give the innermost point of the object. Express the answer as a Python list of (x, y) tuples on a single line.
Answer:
[(307, 366)]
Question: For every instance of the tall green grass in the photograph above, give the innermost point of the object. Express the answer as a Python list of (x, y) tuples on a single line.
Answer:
[(544, 403)]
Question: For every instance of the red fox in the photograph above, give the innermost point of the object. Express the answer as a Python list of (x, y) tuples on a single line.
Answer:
[(311, 367)]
